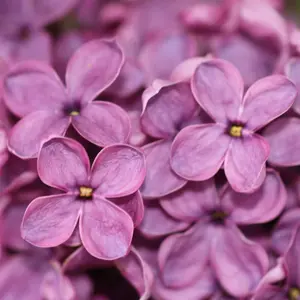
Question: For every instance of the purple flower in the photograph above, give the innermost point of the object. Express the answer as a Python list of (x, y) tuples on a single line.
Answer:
[(199, 151), (33, 91), (165, 113), (238, 263), (105, 227)]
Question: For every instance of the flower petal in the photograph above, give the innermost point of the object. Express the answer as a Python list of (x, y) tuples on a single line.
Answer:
[(159, 170), (137, 272), (183, 256), (167, 110), (97, 123), (245, 162), (283, 138), (218, 87), (118, 171), (198, 151), (192, 201), (63, 163), (292, 71), (105, 229), (133, 205), (92, 68), (157, 222), (27, 136), (30, 86), (261, 206), (267, 99), (239, 264), (49, 221)]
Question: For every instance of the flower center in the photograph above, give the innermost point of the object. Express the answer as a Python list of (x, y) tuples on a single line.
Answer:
[(236, 130), (24, 32), (218, 216), (294, 293), (85, 192), (73, 109)]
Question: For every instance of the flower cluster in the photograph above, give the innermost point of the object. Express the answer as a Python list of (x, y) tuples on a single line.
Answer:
[(149, 149)]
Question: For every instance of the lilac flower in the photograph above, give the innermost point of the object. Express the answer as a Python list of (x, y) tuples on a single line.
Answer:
[(105, 227), (34, 92), (164, 114), (199, 151), (21, 23), (238, 263)]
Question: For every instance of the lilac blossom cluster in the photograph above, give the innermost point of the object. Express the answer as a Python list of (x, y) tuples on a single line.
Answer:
[(149, 149)]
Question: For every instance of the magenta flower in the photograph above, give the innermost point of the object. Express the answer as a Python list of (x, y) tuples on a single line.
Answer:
[(164, 114), (199, 151), (238, 263), (21, 23), (105, 227), (33, 91)]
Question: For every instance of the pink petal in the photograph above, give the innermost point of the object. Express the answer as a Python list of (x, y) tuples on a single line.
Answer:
[(245, 163), (97, 123), (239, 263), (283, 138), (159, 170), (218, 87), (162, 53), (267, 99), (137, 272), (45, 12), (183, 256), (198, 151), (168, 110), (283, 231), (118, 170), (63, 163), (133, 205), (28, 135), (292, 71), (31, 86), (49, 221), (261, 206), (105, 229), (192, 201), (157, 222), (92, 68), (291, 259)]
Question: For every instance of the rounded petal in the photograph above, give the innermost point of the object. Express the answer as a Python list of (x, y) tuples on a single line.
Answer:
[(284, 140), (28, 135), (157, 222), (192, 201), (245, 162), (198, 151), (105, 229), (167, 111), (118, 171), (292, 71), (159, 170), (49, 221), (218, 87), (183, 256), (282, 233), (261, 206), (103, 123), (63, 163), (30, 86), (92, 68), (133, 205), (239, 264), (267, 99), (137, 272)]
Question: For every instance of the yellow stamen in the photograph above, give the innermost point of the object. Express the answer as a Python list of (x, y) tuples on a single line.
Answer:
[(85, 192), (218, 215), (74, 113), (294, 294), (236, 131)]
